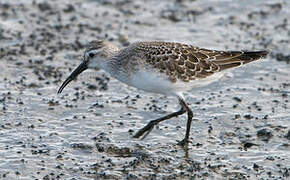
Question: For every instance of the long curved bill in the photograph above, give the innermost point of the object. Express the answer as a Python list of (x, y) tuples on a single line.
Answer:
[(83, 66)]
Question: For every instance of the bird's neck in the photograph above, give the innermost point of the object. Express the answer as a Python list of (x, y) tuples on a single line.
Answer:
[(113, 64), (108, 63), (110, 66)]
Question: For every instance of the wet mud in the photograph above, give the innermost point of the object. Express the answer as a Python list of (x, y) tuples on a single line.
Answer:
[(241, 123)]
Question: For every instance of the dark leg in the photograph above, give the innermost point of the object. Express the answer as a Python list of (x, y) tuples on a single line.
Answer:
[(188, 124), (148, 128)]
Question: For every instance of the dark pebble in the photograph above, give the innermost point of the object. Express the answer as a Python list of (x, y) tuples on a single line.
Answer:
[(248, 116), (237, 99), (288, 135), (265, 134)]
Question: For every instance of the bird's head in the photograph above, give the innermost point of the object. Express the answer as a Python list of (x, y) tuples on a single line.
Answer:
[(97, 53)]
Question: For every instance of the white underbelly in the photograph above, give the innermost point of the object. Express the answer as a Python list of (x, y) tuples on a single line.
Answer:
[(158, 83), (153, 82)]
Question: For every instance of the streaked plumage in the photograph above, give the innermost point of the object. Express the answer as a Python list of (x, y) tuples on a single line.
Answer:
[(162, 67), (187, 63)]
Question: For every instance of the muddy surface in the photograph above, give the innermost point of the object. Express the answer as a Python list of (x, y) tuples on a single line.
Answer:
[(241, 128)]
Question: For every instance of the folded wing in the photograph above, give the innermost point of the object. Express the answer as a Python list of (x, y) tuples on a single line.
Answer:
[(186, 62)]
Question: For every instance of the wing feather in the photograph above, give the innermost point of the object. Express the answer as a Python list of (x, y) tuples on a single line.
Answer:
[(186, 62)]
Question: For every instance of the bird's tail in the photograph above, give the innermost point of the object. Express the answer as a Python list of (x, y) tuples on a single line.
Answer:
[(233, 59)]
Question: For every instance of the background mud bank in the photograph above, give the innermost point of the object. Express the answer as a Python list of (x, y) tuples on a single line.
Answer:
[(241, 127)]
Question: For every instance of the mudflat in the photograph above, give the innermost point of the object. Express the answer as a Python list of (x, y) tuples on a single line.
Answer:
[(241, 123)]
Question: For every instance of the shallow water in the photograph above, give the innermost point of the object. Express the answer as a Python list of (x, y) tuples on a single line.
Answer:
[(241, 127)]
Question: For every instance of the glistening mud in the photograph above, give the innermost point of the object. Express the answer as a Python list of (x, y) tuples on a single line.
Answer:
[(241, 127)]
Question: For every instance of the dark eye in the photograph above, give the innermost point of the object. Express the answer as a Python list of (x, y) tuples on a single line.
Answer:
[(91, 55)]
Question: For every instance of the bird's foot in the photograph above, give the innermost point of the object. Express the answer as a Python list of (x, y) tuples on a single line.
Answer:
[(183, 142), (146, 129)]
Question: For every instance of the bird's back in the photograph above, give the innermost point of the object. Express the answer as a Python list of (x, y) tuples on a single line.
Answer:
[(186, 62)]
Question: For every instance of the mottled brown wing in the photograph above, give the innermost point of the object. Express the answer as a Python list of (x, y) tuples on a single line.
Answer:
[(186, 62)]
